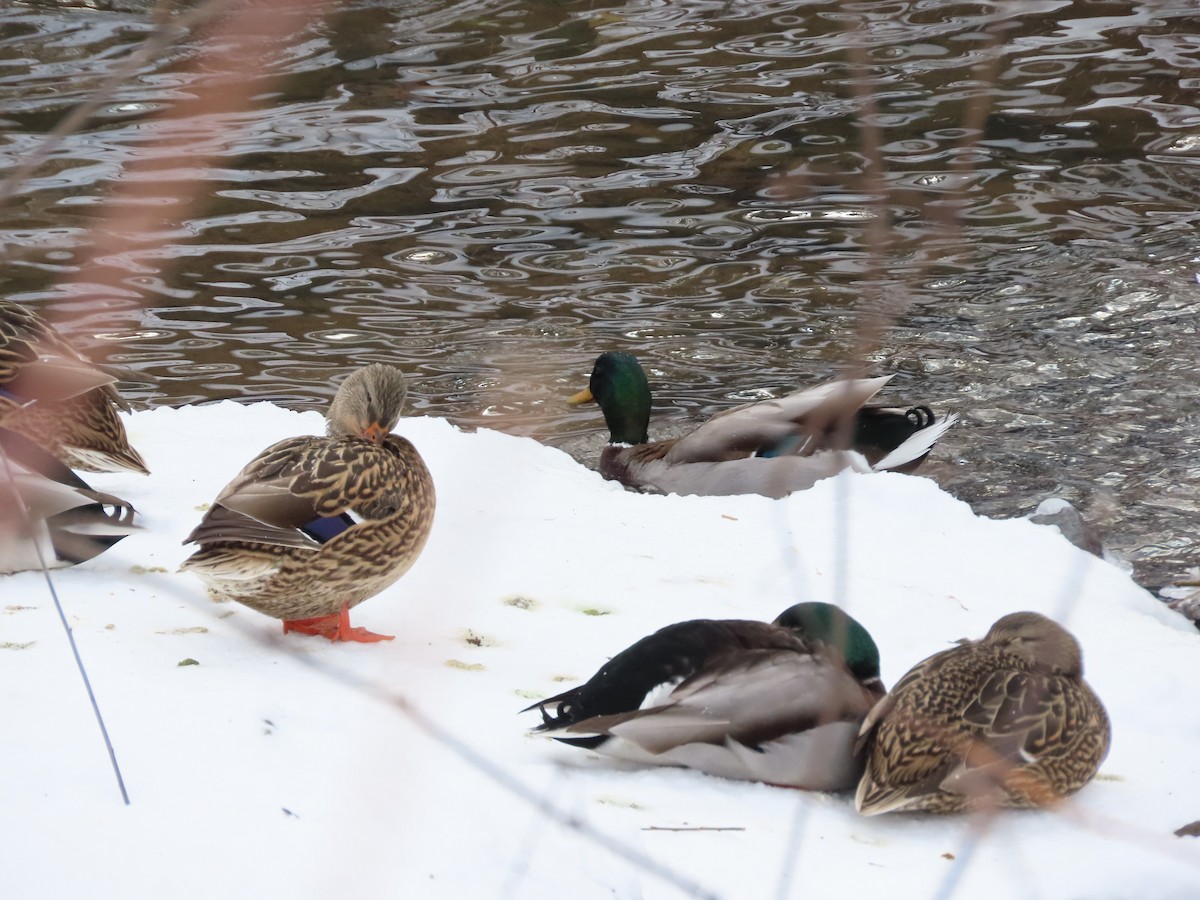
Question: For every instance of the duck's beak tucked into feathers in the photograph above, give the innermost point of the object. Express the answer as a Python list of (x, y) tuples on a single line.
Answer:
[(313, 526), (1004, 721)]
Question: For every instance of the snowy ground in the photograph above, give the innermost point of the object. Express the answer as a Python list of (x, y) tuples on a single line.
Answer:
[(287, 766)]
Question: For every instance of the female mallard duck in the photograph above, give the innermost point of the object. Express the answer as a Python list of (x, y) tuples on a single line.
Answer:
[(49, 516), (53, 396), (1005, 721), (779, 702), (315, 525), (771, 447)]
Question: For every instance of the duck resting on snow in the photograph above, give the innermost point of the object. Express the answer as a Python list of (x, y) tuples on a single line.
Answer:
[(1003, 721), (56, 398), (770, 447), (313, 526), (779, 702)]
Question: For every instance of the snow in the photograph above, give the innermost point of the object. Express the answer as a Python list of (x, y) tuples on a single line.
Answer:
[(291, 767)]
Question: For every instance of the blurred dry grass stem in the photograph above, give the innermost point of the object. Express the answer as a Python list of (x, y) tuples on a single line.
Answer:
[(884, 298), (161, 186), (134, 216)]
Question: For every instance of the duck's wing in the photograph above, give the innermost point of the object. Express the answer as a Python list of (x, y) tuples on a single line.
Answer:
[(652, 466), (652, 667), (48, 514), (769, 715), (753, 698), (37, 364), (799, 424), (302, 492), (1019, 720), (52, 394), (906, 741)]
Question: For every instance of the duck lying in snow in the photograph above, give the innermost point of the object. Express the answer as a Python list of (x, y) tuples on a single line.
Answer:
[(779, 702), (771, 447), (1003, 721)]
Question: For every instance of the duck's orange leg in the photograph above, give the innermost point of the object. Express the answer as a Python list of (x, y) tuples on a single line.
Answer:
[(336, 628)]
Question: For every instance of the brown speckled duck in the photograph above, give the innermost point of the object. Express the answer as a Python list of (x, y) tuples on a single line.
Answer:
[(1004, 721), (53, 396), (771, 447), (315, 525)]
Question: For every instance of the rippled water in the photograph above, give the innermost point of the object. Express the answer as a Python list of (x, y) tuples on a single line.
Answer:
[(995, 200)]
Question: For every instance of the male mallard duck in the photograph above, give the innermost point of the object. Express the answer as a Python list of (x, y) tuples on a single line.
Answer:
[(779, 702), (771, 447), (315, 525), (49, 516), (1005, 721), (53, 396)]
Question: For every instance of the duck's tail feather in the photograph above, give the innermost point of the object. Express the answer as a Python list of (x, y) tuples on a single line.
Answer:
[(916, 446), (89, 529)]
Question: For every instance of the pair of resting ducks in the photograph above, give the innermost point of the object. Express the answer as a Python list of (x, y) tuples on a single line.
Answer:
[(315, 525), (1003, 721)]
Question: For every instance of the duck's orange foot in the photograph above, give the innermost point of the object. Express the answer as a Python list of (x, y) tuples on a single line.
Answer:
[(335, 628)]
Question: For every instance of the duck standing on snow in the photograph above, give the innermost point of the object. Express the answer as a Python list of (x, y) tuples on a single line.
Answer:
[(1005, 721), (771, 447), (49, 516), (57, 399), (315, 525), (779, 703)]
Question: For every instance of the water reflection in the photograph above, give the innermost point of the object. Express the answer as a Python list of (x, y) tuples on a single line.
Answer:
[(490, 194)]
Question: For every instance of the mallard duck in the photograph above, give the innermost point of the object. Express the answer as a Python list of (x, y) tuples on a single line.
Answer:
[(53, 396), (771, 447), (778, 702), (1005, 721), (49, 516), (315, 525)]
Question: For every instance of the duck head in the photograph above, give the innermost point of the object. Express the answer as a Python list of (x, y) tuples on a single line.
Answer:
[(368, 404), (831, 626), (618, 384)]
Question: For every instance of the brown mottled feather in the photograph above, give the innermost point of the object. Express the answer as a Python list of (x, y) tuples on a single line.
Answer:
[(1004, 721), (66, 405)]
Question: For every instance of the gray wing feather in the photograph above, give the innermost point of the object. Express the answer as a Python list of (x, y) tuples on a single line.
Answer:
[(764, 695), (767, 423)]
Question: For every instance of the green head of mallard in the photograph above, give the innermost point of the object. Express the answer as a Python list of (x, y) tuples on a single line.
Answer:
[(619, 385), (831, 626)]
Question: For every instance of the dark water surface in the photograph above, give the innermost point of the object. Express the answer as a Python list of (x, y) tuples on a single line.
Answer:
[(491, 193)]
